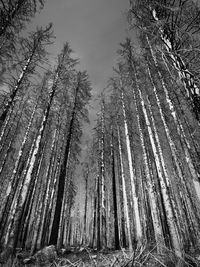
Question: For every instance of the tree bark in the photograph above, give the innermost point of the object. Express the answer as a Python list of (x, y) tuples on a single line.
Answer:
[(116, 226)]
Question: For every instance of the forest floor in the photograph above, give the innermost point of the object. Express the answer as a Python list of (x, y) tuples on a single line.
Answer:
[(84, 257)]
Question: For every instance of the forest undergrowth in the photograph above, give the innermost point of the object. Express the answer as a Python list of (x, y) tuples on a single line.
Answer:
[(144, 255)]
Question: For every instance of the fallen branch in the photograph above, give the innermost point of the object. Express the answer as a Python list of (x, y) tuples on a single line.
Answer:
[(115, 260), (158, 260), (91, 257)]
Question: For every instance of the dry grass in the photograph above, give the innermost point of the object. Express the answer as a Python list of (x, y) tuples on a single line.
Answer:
[(141, 257)]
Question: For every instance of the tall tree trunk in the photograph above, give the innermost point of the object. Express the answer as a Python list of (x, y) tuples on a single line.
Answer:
[(14, 180), (36, 42), (98, 213), (86, 203), (179, 126), (14, 93), (167, 203), (185, 195), (191, 88), (116, 226), (15, 212), (131, 172), (103, 187), (61, 181), (94, 226), (150, 183), (124, 193)]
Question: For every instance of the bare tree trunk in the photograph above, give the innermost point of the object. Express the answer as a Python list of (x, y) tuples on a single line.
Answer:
[(86, 203), (167, 203), (131, 171), (191, 88), (103, 187), (94, 227), (124, 194), (15, 212), (116, 226), (150, 183), (98, 214), (61, 182), (179, 127)]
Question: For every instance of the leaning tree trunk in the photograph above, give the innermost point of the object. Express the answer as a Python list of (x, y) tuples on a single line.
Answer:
[(191, 88), (16, 208), (150, 183), (179, 126), (167, 203), (186, 188), (14, 180)]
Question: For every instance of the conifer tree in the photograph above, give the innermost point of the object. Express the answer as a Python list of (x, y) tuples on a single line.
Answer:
[(81, 97)]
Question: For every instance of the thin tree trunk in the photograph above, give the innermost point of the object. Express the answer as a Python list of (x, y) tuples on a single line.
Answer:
[(95, 214), (86, 203), (103, 187), (98, 214), (116, 226)]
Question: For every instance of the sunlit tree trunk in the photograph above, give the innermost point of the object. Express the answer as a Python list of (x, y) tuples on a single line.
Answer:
[(4, 118), (150, 183), (191, 88), (180, 129), (164, 183), (34, 57), (131, 172), (16, 207), (174, 152), (15, 179), (124, 193)]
